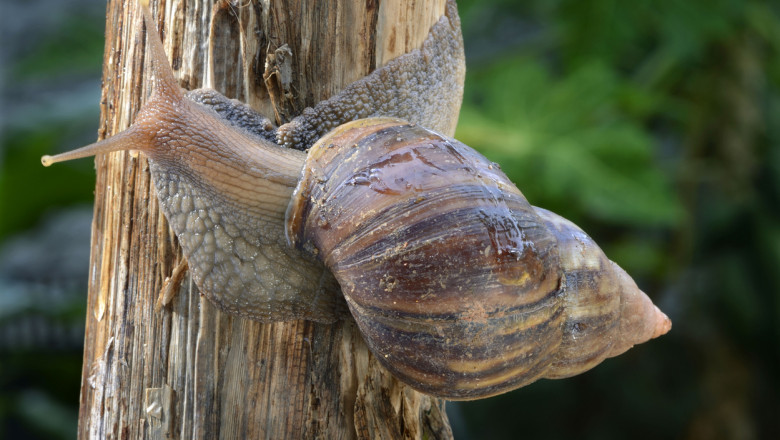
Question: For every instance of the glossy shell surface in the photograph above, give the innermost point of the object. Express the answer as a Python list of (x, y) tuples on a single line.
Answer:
[(451, 276)]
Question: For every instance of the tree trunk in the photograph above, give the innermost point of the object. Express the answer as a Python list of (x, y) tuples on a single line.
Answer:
[(188, 370)]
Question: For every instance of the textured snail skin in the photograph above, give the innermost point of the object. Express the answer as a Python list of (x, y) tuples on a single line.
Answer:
[(424, 86), (460, 287), (224, 185)]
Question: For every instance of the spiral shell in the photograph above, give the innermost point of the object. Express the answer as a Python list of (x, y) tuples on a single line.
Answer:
[(455, 281)]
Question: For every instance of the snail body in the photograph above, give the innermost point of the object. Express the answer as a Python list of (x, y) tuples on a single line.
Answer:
[(460, 287)]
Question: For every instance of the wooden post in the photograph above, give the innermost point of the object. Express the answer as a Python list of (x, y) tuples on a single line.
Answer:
[(190, 371)]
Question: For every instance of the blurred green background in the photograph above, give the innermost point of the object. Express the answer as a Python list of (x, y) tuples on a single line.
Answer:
[(654, 125)]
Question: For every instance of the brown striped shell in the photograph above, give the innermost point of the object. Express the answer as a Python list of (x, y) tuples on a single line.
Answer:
[(460, 288)]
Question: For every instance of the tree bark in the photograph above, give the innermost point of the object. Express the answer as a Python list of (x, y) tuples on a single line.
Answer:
[(188, 370)]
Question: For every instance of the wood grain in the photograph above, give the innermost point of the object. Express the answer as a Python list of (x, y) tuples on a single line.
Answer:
[(190, 371)]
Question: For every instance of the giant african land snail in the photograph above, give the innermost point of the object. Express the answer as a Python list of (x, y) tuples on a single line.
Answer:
[(460, 287)]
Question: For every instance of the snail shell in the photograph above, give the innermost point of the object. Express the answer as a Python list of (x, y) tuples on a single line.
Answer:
[(460, 287)]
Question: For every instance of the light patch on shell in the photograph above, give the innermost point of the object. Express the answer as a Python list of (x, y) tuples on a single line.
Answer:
[(520, 281), (577, 249)]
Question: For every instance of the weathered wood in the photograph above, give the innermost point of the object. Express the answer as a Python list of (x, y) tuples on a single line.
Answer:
[(188, 370)]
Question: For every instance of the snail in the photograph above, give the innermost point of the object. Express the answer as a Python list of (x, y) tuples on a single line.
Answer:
[(460, 287)]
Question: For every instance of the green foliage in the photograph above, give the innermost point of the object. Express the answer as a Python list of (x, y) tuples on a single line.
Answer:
[(55, 58), (38, 394), (570, 141), (66, 50), (28, 189), (41, 114)]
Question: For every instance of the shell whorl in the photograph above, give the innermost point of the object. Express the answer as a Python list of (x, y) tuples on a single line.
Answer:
[(605, 312), (453, 278)]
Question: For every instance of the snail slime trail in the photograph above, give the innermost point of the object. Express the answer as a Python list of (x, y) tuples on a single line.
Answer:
[(459, 286)]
